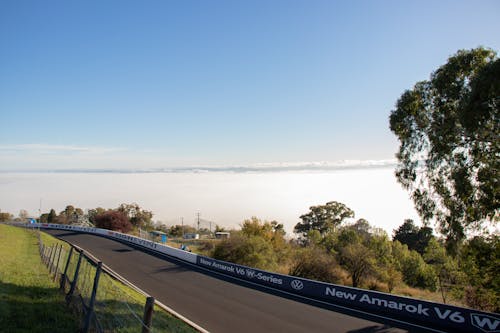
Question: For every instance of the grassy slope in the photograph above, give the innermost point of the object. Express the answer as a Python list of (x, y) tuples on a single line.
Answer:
[(29, 299), (115, 302)]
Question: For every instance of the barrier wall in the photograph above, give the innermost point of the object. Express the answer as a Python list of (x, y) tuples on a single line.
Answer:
[(427, 314), (177, 253)]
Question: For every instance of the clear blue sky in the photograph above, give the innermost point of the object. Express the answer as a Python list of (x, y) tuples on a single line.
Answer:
[(99, 84)]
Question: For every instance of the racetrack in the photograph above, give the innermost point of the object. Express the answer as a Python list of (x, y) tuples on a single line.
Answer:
[(222, 304)]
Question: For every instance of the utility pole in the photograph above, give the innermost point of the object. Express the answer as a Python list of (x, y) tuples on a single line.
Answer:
[(198, 218)]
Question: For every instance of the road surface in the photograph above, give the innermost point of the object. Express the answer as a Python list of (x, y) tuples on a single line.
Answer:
[(220, 304)]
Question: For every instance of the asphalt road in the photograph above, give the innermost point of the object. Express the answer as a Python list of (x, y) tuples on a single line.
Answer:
[(217, 303)]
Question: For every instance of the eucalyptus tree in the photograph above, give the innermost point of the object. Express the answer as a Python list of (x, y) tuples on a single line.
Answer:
[(323, 218), (449, 154)]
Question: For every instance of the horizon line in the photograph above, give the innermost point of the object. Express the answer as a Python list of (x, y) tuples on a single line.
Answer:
[(250, 168)]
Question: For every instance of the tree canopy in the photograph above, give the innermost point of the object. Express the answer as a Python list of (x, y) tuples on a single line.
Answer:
[(449, 154), (323, 218), (414, 237), (137, 216), (113, 220)]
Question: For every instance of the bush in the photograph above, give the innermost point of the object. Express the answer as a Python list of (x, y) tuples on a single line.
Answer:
[(252, 251), (316, 264), (482, 299), (416, 273), (113, 220)]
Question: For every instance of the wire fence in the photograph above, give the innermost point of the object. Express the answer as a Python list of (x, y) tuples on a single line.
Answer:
[(103, 302)]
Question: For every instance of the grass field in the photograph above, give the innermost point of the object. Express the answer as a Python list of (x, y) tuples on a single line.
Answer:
[(118, 307), (29, 299), (31, 302)]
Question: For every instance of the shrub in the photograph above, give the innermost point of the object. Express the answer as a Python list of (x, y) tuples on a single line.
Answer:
[(482, 299), (113, 220), (252, 251), (316, 264)]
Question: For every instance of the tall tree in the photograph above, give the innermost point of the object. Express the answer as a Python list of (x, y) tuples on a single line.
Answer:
[(358, 260), (449, 157), (416, 238), (324, 218), (138, 217), (5, 217), (92, 213), (52, 216), (480, 259)]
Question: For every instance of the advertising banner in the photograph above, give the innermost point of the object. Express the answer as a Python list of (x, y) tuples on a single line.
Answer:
[(427, 314)]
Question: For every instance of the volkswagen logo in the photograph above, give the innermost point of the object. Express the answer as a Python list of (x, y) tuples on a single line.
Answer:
[(297, 284)]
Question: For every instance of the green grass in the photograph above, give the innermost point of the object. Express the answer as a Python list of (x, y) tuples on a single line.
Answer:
[(115, 301), (30, 300)]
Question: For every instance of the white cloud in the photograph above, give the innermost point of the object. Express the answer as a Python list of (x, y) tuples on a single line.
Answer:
[(40, 156)]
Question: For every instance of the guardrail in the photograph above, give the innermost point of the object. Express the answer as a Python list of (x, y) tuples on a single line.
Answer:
[(397, 308)]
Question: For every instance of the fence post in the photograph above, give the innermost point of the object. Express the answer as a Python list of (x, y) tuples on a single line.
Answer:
[(90, 310), (63, 276), (148, 315), (75, 277), (47, 252), (52, 257), (44, 254), (57, 263)]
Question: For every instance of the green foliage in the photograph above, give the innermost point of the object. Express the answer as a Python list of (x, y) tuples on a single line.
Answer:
[(44, 218), (316, 264), (258, 244), (51, 218), (450, 149), (362, 228), (416, 238), (6, 217), (218, 228), (137, 216), (480, 259), (255, 227), (253, 251), (358, 260), (179, 230), (334, 252), (481, 298), (324, 218), (445, 267), (92, 213), (392, 277), (30, 301), (416, 272), (69, 215)]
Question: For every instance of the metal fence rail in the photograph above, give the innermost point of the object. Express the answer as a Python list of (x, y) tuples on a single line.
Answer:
[(102, 301)]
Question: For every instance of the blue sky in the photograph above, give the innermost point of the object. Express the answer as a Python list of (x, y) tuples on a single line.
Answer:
[(105, 84)]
